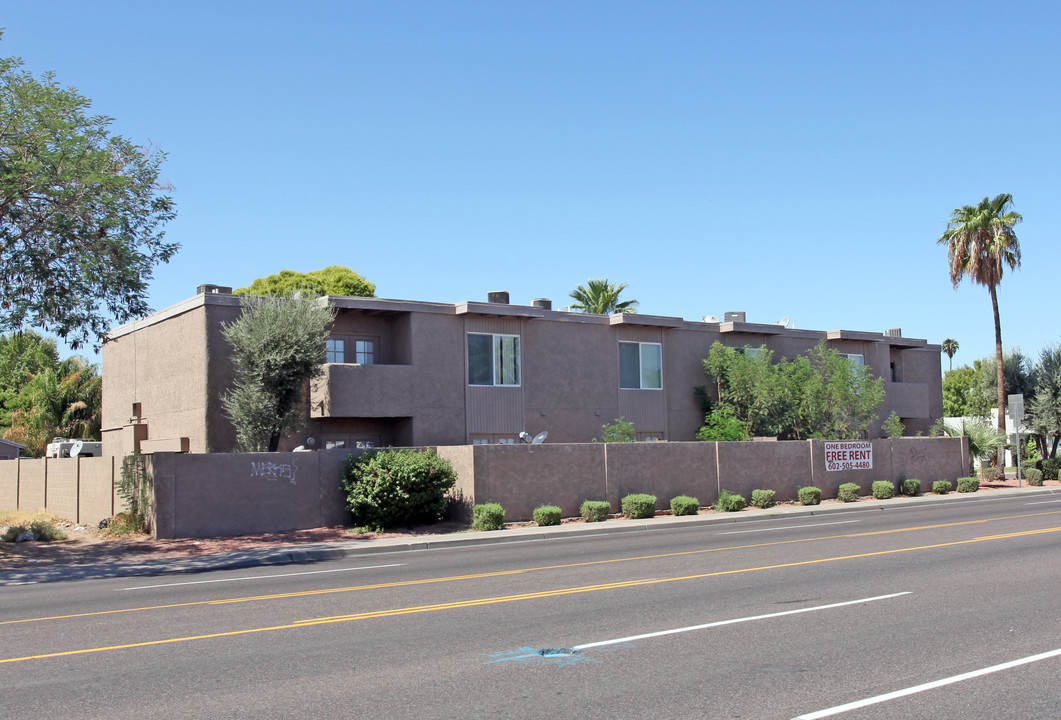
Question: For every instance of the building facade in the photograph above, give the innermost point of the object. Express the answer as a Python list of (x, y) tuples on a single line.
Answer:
[(409, 373)]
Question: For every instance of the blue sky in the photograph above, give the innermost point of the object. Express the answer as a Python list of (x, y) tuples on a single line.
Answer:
[(781, 158)]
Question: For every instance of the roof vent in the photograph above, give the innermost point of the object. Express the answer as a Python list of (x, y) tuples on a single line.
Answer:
[(218, 289), (893, 332), (542, 303), (498, 297), (735, 317)]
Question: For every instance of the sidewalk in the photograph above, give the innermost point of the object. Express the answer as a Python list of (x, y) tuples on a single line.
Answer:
[(317, 552)]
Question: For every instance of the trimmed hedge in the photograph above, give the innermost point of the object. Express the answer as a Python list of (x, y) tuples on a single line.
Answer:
[(729, 502), (595, 510), (848, 492), (883, 490), (638, 505), (488, 516), (1033, 476), (547, 515), (810, 496), (942, 487), (684, 505), (968, 484), (763, 498), (389, 488), (910, 487)]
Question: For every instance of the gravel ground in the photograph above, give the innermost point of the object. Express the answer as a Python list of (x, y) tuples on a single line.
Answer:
[(88, 545)]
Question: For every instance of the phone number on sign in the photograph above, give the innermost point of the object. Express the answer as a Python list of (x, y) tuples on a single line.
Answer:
[(849, 466)]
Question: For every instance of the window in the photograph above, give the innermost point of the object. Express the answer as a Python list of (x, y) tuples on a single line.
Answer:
[(365, 352), (854, 358), (640, 366), (335, 351), (493, 359)]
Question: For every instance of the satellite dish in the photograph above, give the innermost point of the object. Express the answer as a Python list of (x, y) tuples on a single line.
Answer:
[(524, 436), (783, 322), (311, 441), (75, 449), (711, 318), (540, 437)]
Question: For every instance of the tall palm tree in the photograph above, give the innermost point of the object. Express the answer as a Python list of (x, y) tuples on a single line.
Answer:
[(949, 347), (601, 297), (980, 242)]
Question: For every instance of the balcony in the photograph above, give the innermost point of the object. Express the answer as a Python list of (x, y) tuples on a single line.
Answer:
[(348, 390), (907, 400)]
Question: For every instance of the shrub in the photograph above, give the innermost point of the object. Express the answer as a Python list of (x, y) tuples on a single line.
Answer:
[(388, 488), (684, 505), (1050, 468), (638, 505), (810, 496), (595, 510), (41, 530), (622, 430), (134, 486), (893, 427), (968, 484), (763, 498), (1033, 476), (942, 487), (910, 486), (729, 502), (848, 492), (547, 515), (883, 490), (488, 516)]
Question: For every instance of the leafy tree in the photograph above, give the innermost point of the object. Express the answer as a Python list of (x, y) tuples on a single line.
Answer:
[(840, 398), (721, 426), (622, 430), (277, 349), (332, 280), (81, 213), (64, 401), (600, 297), (980, 242), (1044, 409), (949, 347), (22, 355), (962, 393), (756, 391)]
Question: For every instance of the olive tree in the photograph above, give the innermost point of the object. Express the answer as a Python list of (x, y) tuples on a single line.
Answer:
[(277, 349)]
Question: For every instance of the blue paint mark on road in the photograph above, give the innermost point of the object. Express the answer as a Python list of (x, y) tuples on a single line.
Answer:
[(557, 657)]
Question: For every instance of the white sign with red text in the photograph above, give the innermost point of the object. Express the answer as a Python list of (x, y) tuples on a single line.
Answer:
[(850, 455)]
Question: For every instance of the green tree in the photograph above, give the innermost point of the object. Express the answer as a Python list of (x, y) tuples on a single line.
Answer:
[(840, 398), (63, 401), (332, 280), (1044, 408), (962, 394), (81, 213), (22, 355), (622, 430), (980, 242), (893, 427), (600, 297), (277, 349), (756, 391), (721, 426), (949, 347)]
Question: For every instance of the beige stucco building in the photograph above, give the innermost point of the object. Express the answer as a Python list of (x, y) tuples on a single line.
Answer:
[(411, 373)]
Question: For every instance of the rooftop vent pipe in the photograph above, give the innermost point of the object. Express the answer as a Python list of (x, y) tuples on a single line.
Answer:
[(498, 297), (542, 303)]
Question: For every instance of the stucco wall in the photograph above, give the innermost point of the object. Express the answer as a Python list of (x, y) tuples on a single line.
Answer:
[(78, 489)]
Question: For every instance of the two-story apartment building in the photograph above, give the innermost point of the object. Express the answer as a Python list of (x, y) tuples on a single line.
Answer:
[(410, 373)]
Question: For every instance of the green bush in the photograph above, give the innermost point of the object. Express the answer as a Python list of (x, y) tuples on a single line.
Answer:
[(763, 498), (910, 486), (638, 505), (684, 505), (810, 496), (595, 510), (729, 502), (388, 488), (547, 515), (968, 484), (1033, 476), (942, 487), (1050, 468), (41, 530), (848, 492), (883, 490), (488, 516)]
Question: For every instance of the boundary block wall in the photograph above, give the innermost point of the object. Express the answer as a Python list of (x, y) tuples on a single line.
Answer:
[(76, 489)]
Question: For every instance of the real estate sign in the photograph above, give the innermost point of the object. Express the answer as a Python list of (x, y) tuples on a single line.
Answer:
[(849, 455)]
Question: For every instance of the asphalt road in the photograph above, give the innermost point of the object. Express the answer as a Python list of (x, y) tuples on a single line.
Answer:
[(933, 611)]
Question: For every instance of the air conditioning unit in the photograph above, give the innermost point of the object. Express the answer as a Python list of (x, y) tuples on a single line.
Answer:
[(893, 332), (736, 317)]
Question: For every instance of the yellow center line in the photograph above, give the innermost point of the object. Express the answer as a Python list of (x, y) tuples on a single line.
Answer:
[(477, 602), (503, 573)]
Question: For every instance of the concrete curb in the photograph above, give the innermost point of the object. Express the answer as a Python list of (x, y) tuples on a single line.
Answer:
[(318, 552)]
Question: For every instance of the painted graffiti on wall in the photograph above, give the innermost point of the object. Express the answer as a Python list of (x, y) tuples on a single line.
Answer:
[(274, 471)]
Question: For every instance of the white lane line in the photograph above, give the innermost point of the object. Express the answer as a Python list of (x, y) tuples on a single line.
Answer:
[(259, 577), (1043, 502), (928, 686), (631, 638), (788, 527)]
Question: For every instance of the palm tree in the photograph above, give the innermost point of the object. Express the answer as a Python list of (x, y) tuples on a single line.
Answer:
[(601, 297), (980, 242), (949, 347), (63, 401)]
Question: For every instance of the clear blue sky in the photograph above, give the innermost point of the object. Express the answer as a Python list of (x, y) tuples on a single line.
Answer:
[(781, 158)]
